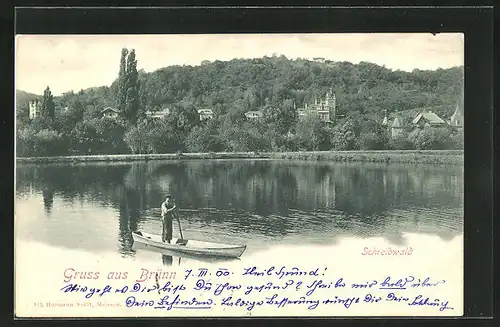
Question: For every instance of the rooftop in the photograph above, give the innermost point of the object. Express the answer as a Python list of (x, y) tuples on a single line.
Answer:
[(253, 113), (205, 111), (110, 109), (430, 117), (397, 123)]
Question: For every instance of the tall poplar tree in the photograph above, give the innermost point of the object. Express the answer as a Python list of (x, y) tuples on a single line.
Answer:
[(128, 86), (121, 95), (132, 93), (48, 107)]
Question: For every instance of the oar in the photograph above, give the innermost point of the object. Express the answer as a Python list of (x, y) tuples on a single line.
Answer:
[(180, 241)]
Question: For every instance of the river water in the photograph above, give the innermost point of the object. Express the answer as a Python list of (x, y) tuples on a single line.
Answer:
[(306, 214), (261, 203)]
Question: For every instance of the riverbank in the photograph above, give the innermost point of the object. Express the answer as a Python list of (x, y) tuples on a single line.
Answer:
[(440, 157)]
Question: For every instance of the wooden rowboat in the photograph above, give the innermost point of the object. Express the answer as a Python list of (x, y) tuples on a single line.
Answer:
[(191, 246)]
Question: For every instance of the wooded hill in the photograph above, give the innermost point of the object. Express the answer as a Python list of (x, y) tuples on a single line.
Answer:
[(364, 93), (248, 84)]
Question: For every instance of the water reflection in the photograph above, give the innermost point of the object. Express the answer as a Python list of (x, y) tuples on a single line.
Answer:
[(250, 201), (173, 258), (48, 200), (168, 260), (129, 216)]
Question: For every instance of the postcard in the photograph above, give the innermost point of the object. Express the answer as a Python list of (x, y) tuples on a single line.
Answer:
[(239, 175)]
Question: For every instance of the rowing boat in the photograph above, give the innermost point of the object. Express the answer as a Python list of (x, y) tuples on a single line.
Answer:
[(190, 246)]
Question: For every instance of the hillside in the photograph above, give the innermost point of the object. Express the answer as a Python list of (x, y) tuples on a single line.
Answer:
[(22, 99), (22, 104), (276, 86), (248, 84)]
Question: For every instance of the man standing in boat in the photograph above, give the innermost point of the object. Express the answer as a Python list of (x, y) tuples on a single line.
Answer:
[(167, 214)]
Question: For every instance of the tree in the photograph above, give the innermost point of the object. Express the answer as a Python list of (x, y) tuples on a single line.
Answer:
[(152, 136), (373, 136), (343, 137), (48, 107), (204, 138), (84, 138), (25, 142), (42, 122), (163, 138), (132, 89), (401, 142), (182, 119), (283, 115), (310, 133), (137, 139), (431, 138), (127, 93), (231, 88), (49, 143), (121, 94), (45, 142), (110, 133), (67, 121), (457, 139)]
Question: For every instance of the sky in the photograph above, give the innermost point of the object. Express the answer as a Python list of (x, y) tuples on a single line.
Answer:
[(74, 62)]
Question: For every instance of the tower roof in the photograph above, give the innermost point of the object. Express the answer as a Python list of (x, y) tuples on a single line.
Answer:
[(457, 113)]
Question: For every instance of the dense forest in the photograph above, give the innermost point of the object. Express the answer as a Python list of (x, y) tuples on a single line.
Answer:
[(72, 124)]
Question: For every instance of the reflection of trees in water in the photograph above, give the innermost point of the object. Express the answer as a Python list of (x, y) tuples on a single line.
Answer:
[(167, 260), (258, 196), (315, 187), (48, 199), (361, 192), (256, 187), (372, 194), (105, 184), (129, 216), (71, 182)]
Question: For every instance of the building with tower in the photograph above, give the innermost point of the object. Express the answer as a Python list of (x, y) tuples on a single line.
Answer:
[(457, 119), (35, 108), (396, 128), (325, 108)]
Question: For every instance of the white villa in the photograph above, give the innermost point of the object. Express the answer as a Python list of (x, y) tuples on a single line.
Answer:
[(253, 114), (205, 114), (158, 114), (109, 112), (324, 108)]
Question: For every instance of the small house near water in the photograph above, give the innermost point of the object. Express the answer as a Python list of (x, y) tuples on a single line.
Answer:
[(158, 114), (109, 112), (205, 114), (428, 118), (401, 125)]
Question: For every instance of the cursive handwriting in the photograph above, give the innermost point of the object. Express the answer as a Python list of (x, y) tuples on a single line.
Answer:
[(168, 303), (281, 272), (421, 301), (276, 287), (168, 287), (409, 281)]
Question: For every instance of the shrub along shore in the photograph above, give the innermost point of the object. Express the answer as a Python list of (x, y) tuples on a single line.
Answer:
[(440, 157)]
